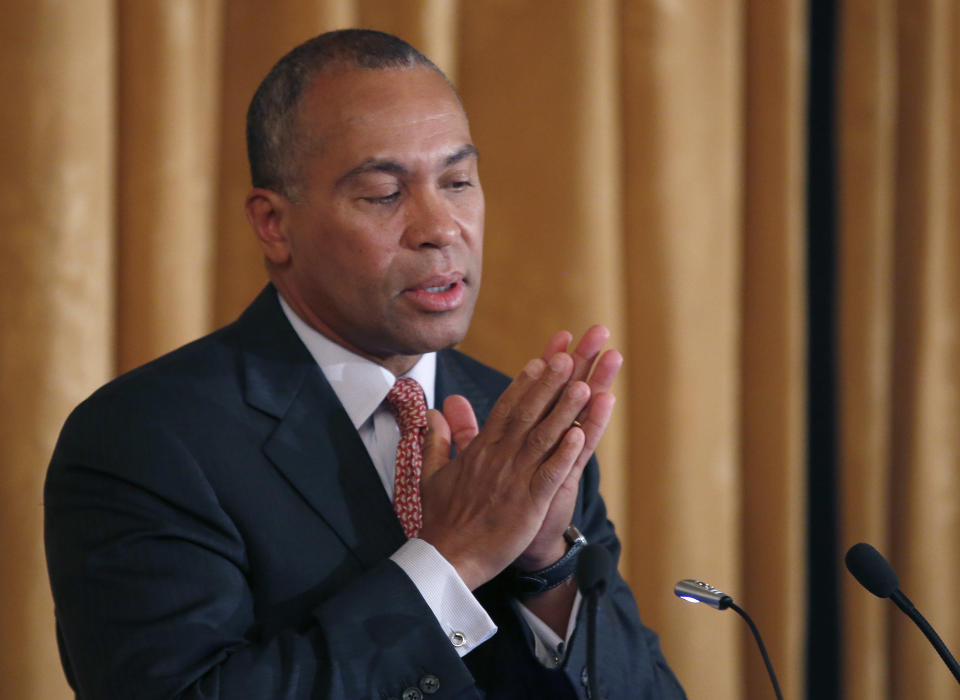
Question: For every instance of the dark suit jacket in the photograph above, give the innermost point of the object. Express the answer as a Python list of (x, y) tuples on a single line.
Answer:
[(215, 529)]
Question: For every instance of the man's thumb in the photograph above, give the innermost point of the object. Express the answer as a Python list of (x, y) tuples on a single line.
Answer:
[(436, 444)]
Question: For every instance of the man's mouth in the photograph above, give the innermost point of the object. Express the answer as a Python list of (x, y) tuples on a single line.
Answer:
[(439, 294), (443, 288)]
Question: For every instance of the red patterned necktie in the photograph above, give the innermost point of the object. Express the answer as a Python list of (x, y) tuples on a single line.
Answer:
[(410, 409)]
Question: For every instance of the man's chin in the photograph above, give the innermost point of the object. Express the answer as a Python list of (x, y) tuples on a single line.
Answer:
[(437, 341), (438, 335)]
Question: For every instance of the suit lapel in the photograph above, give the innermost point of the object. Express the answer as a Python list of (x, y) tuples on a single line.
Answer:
[(453, 378), (314, 445), (317, 448)]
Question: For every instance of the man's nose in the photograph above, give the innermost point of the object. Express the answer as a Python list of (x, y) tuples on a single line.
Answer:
[(431, 222)]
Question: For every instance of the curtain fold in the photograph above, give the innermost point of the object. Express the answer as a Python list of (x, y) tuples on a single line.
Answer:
[(683, 108), (167, 107), (643, 163), (867, 163), (900, 322), (926, 318), (773, 345), (56, 290)]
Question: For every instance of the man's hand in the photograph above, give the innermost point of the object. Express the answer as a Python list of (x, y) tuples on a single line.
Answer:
[(548, 545), (483, 508), (525, 404)]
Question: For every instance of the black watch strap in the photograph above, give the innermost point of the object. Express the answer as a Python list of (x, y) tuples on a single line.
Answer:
[(526, 583)]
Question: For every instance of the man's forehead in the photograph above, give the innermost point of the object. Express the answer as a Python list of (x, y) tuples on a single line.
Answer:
[(359, 96), (369, 120)]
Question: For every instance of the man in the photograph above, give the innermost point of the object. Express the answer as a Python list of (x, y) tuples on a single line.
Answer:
[(219, 522)]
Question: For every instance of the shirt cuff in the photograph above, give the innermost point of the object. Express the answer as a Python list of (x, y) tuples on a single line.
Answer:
[(548, 647), (459, 613)]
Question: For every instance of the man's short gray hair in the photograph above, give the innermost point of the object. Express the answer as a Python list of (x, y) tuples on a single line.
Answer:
[(273, 131)]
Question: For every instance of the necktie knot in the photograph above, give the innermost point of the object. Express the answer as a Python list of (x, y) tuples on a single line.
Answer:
[(408, 405)]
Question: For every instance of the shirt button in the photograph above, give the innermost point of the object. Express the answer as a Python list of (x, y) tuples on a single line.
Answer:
[(458, 639), (429, 684), (412, 694), (585, 682)]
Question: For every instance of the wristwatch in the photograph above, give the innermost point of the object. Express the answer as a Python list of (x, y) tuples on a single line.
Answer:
[(527, 583)]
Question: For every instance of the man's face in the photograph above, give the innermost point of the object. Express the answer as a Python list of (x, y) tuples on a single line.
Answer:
[(386, 230)]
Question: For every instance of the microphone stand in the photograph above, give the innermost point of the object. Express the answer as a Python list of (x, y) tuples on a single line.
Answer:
[(904, 604), (763, 649), (594, 686), (594, 567)]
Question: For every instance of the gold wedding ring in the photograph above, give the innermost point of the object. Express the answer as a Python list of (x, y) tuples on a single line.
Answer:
[(578, 424)]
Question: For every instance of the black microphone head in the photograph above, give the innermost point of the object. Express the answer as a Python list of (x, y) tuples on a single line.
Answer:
[(594, 567), (872, 571)]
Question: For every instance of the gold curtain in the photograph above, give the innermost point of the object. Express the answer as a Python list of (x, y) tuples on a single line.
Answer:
[(644, 165), (57, 299), (900, 333)]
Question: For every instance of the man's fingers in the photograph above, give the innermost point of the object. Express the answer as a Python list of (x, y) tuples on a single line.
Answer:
[(462, 421), (530, 410), (500, 415), (436, 444), (587, 350), (544, 437), (608, 366), (551, 475), (558, 343), (595, 424), (604, 373)]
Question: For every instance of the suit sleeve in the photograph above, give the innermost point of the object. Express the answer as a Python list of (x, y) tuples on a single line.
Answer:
[(153, 589)]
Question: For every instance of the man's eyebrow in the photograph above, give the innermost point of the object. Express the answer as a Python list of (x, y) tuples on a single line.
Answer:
[(465, 152), (382, 165), (373, 165)]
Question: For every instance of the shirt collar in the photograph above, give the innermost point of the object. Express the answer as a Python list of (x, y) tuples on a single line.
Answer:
[(360, 384)]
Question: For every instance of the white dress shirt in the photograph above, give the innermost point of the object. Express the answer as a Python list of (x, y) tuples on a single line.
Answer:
[(362, 387)]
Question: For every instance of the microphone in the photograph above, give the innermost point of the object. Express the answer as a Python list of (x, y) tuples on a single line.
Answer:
[(874, 573), (694, 591), (594, 567), (872, 570)]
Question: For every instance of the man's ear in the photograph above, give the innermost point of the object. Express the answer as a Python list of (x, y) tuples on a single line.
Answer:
[(268, 213)]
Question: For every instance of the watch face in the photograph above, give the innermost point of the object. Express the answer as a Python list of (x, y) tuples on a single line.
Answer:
[(573, 536)]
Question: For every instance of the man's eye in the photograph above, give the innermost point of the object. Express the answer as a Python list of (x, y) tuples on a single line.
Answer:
[(386, 199), (458, 185)]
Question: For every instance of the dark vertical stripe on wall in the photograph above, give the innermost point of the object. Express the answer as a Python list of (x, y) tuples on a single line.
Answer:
[(823, 640)]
